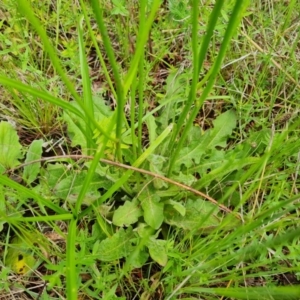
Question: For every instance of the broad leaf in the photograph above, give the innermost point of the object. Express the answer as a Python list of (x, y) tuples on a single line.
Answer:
[(153, 209), (138, 257), (200, 215), (10, 148), (199, 144), (50, 176), (115, 247), (177, 206), (192, 153), (145, 231), (61, 181), (215, 160), (140, 254), (223, 126), (34, 152), (158, 250), (127, 214)]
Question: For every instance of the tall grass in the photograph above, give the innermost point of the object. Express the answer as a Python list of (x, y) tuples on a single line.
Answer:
[(203, 253)]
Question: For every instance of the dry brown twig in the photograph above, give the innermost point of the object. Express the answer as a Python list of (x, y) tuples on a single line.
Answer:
[(120, 165)]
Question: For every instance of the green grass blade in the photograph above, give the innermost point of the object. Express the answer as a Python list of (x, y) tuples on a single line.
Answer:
[(133, 123), (25, 191), (141, 42), (98, 155), (25, 9), (141, 84), (87, 91), (257, 293), (198, 59), (71, 272), (99, 54), (39, 94), (88, 179), (60, 217), (98, 12), (48, 98), (231, 28), (72, 275)]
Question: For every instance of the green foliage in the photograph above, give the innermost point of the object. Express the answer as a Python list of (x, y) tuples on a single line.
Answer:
[(115, 247), (158, 251), (153, 209), (10, 148), (200, 115), (207, 143), (119, 8), (2, 206), (34, 152), (127, 214), (191, 219)]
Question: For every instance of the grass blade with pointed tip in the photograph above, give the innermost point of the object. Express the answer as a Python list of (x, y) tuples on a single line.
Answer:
[(234, 20), (23, 190), (87, 91)]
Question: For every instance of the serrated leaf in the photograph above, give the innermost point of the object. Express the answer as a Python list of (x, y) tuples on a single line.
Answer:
[(196, 216), (223, 126), (10, 148), (153, 209), (101, 109), (34, 152), (61, 181), (127, 214), (158, 251), (228, 166), (191, 155), (119, 8), (117, 246), (108, 174), (215, 160), (176, 91)]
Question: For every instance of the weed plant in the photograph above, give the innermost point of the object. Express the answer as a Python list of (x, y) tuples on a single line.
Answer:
[(149, 150)]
